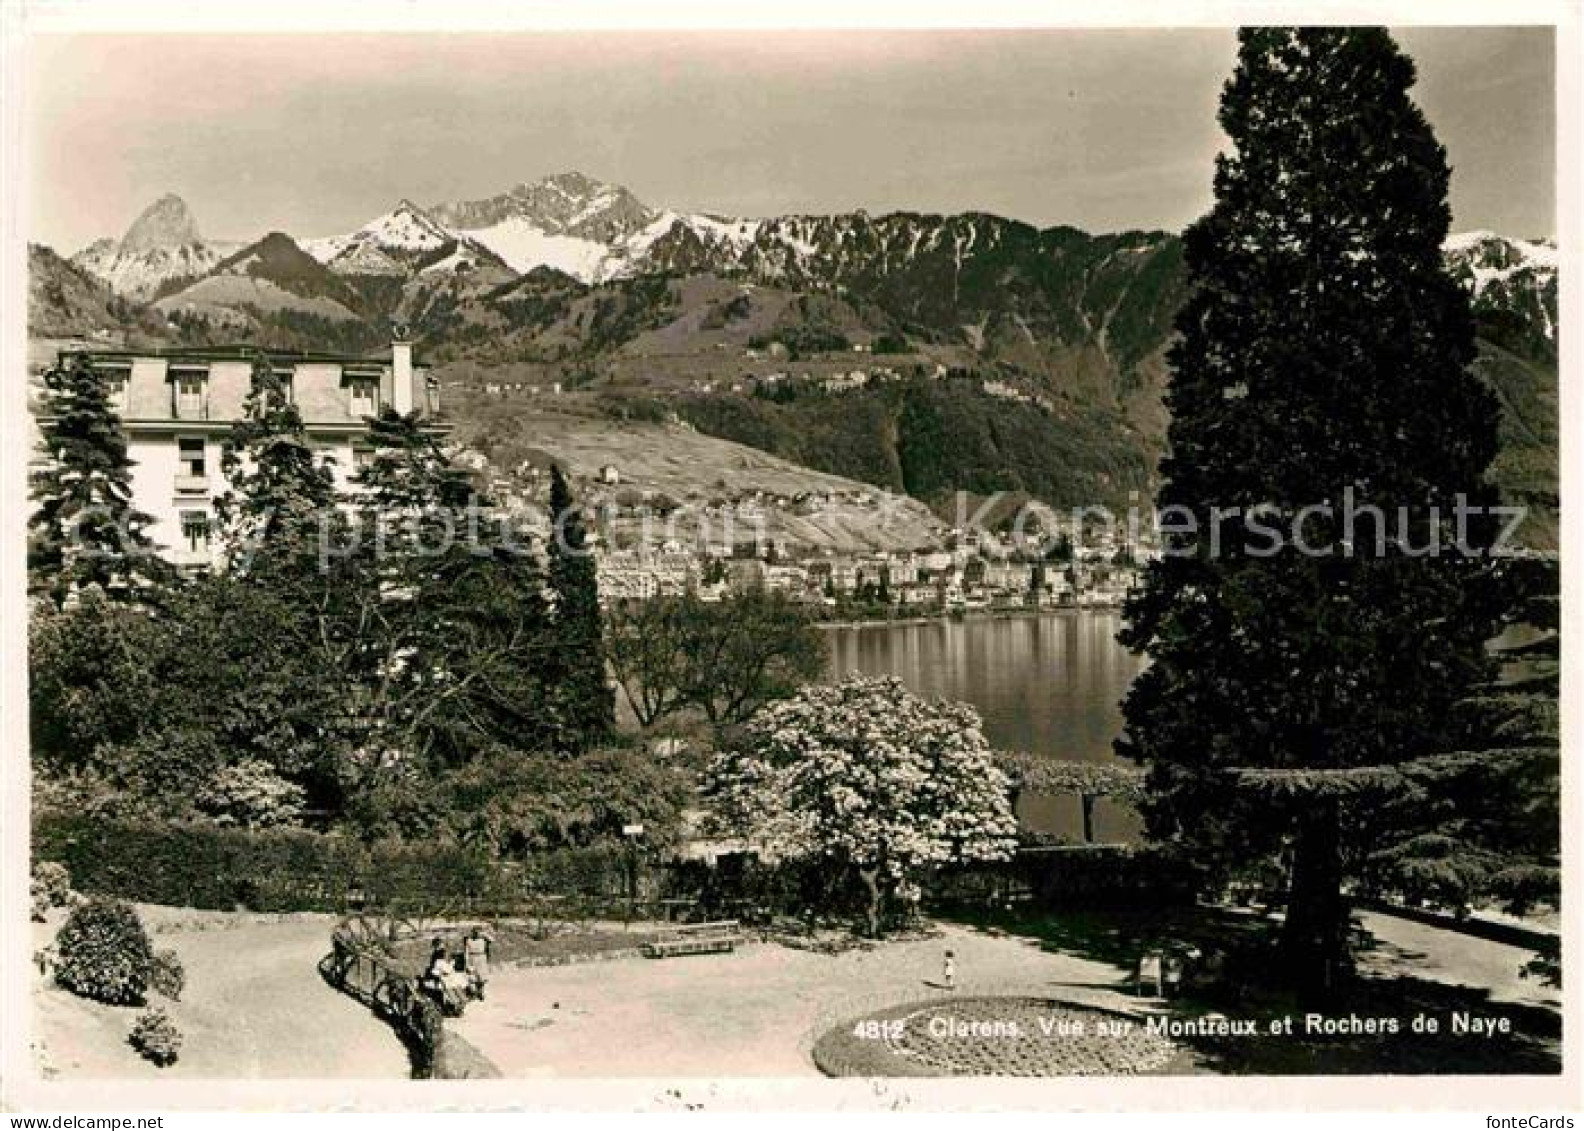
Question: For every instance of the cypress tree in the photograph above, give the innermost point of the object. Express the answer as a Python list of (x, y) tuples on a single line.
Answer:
[(85, 530), (587, 701), (1321, 368)]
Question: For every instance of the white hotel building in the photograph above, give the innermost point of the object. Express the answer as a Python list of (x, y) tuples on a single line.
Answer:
[(177, 407)]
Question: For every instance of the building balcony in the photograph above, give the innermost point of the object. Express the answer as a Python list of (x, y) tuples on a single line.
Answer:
[(192, 485)]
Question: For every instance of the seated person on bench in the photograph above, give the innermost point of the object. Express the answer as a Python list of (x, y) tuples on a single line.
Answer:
[(443, 974)]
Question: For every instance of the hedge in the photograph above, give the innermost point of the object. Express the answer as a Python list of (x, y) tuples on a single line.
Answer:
[(740, 885), (278, 870), (604, 870), (1076, 876), (1056, 878)]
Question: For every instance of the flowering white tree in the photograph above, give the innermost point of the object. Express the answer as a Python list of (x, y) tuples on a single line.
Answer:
[(873, 780)]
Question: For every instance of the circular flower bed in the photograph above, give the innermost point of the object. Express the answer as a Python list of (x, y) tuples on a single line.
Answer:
[(991, 1036)]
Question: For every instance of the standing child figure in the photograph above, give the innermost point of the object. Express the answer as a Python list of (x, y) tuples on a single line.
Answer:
[(949, 971)]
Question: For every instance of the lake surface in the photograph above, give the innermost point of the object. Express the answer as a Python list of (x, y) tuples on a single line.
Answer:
[(1050, 684)]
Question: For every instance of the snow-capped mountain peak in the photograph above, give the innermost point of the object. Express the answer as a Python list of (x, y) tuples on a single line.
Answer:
[(1506, 274), (406, 239), (572, 222), (166, 223), (563, 204), (406, 227), (596, 232), (1488, 257), (590, 229), (163, 245)]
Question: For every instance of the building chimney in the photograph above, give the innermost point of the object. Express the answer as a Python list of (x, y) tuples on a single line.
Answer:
[(401, 371)]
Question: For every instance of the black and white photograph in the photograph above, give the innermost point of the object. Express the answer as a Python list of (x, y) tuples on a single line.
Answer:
[(926, 565)]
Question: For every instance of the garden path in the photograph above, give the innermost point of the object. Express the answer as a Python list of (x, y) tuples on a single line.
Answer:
[(1420, 950)]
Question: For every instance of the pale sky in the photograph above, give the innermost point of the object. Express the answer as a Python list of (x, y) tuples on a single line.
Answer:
[(1103, 130)]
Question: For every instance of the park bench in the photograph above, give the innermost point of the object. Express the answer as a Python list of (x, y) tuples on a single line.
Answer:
[(719, 937)]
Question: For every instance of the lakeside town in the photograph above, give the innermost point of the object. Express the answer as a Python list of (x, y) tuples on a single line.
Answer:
[(979, 573)]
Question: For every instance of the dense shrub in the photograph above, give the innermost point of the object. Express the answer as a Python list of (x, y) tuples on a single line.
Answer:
[(167, 975), (104, 953), (740, 885), (50, 887), (53, 881), (599, 869), (199, 865), (90, 682), (802, 339), (156, 1037), (252, 794)]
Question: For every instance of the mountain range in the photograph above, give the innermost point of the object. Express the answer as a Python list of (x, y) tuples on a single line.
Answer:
[(574, 280)]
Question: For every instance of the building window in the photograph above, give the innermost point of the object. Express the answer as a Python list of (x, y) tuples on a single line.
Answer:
[(195, 533), (192, 468), (190, 395), (362, 459), (284, 377), (365, 396)]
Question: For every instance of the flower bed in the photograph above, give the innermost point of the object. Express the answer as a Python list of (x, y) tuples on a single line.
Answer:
[(992, 1036), (517, 949), (519, 945)]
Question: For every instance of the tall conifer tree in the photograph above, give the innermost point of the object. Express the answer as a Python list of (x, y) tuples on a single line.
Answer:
[(282, 500), (1482, 824), (1321, 368), (85, 530), (282, 528), (462, 651)]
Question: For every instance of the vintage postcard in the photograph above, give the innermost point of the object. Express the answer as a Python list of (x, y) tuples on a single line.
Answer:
[(723, 560)]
